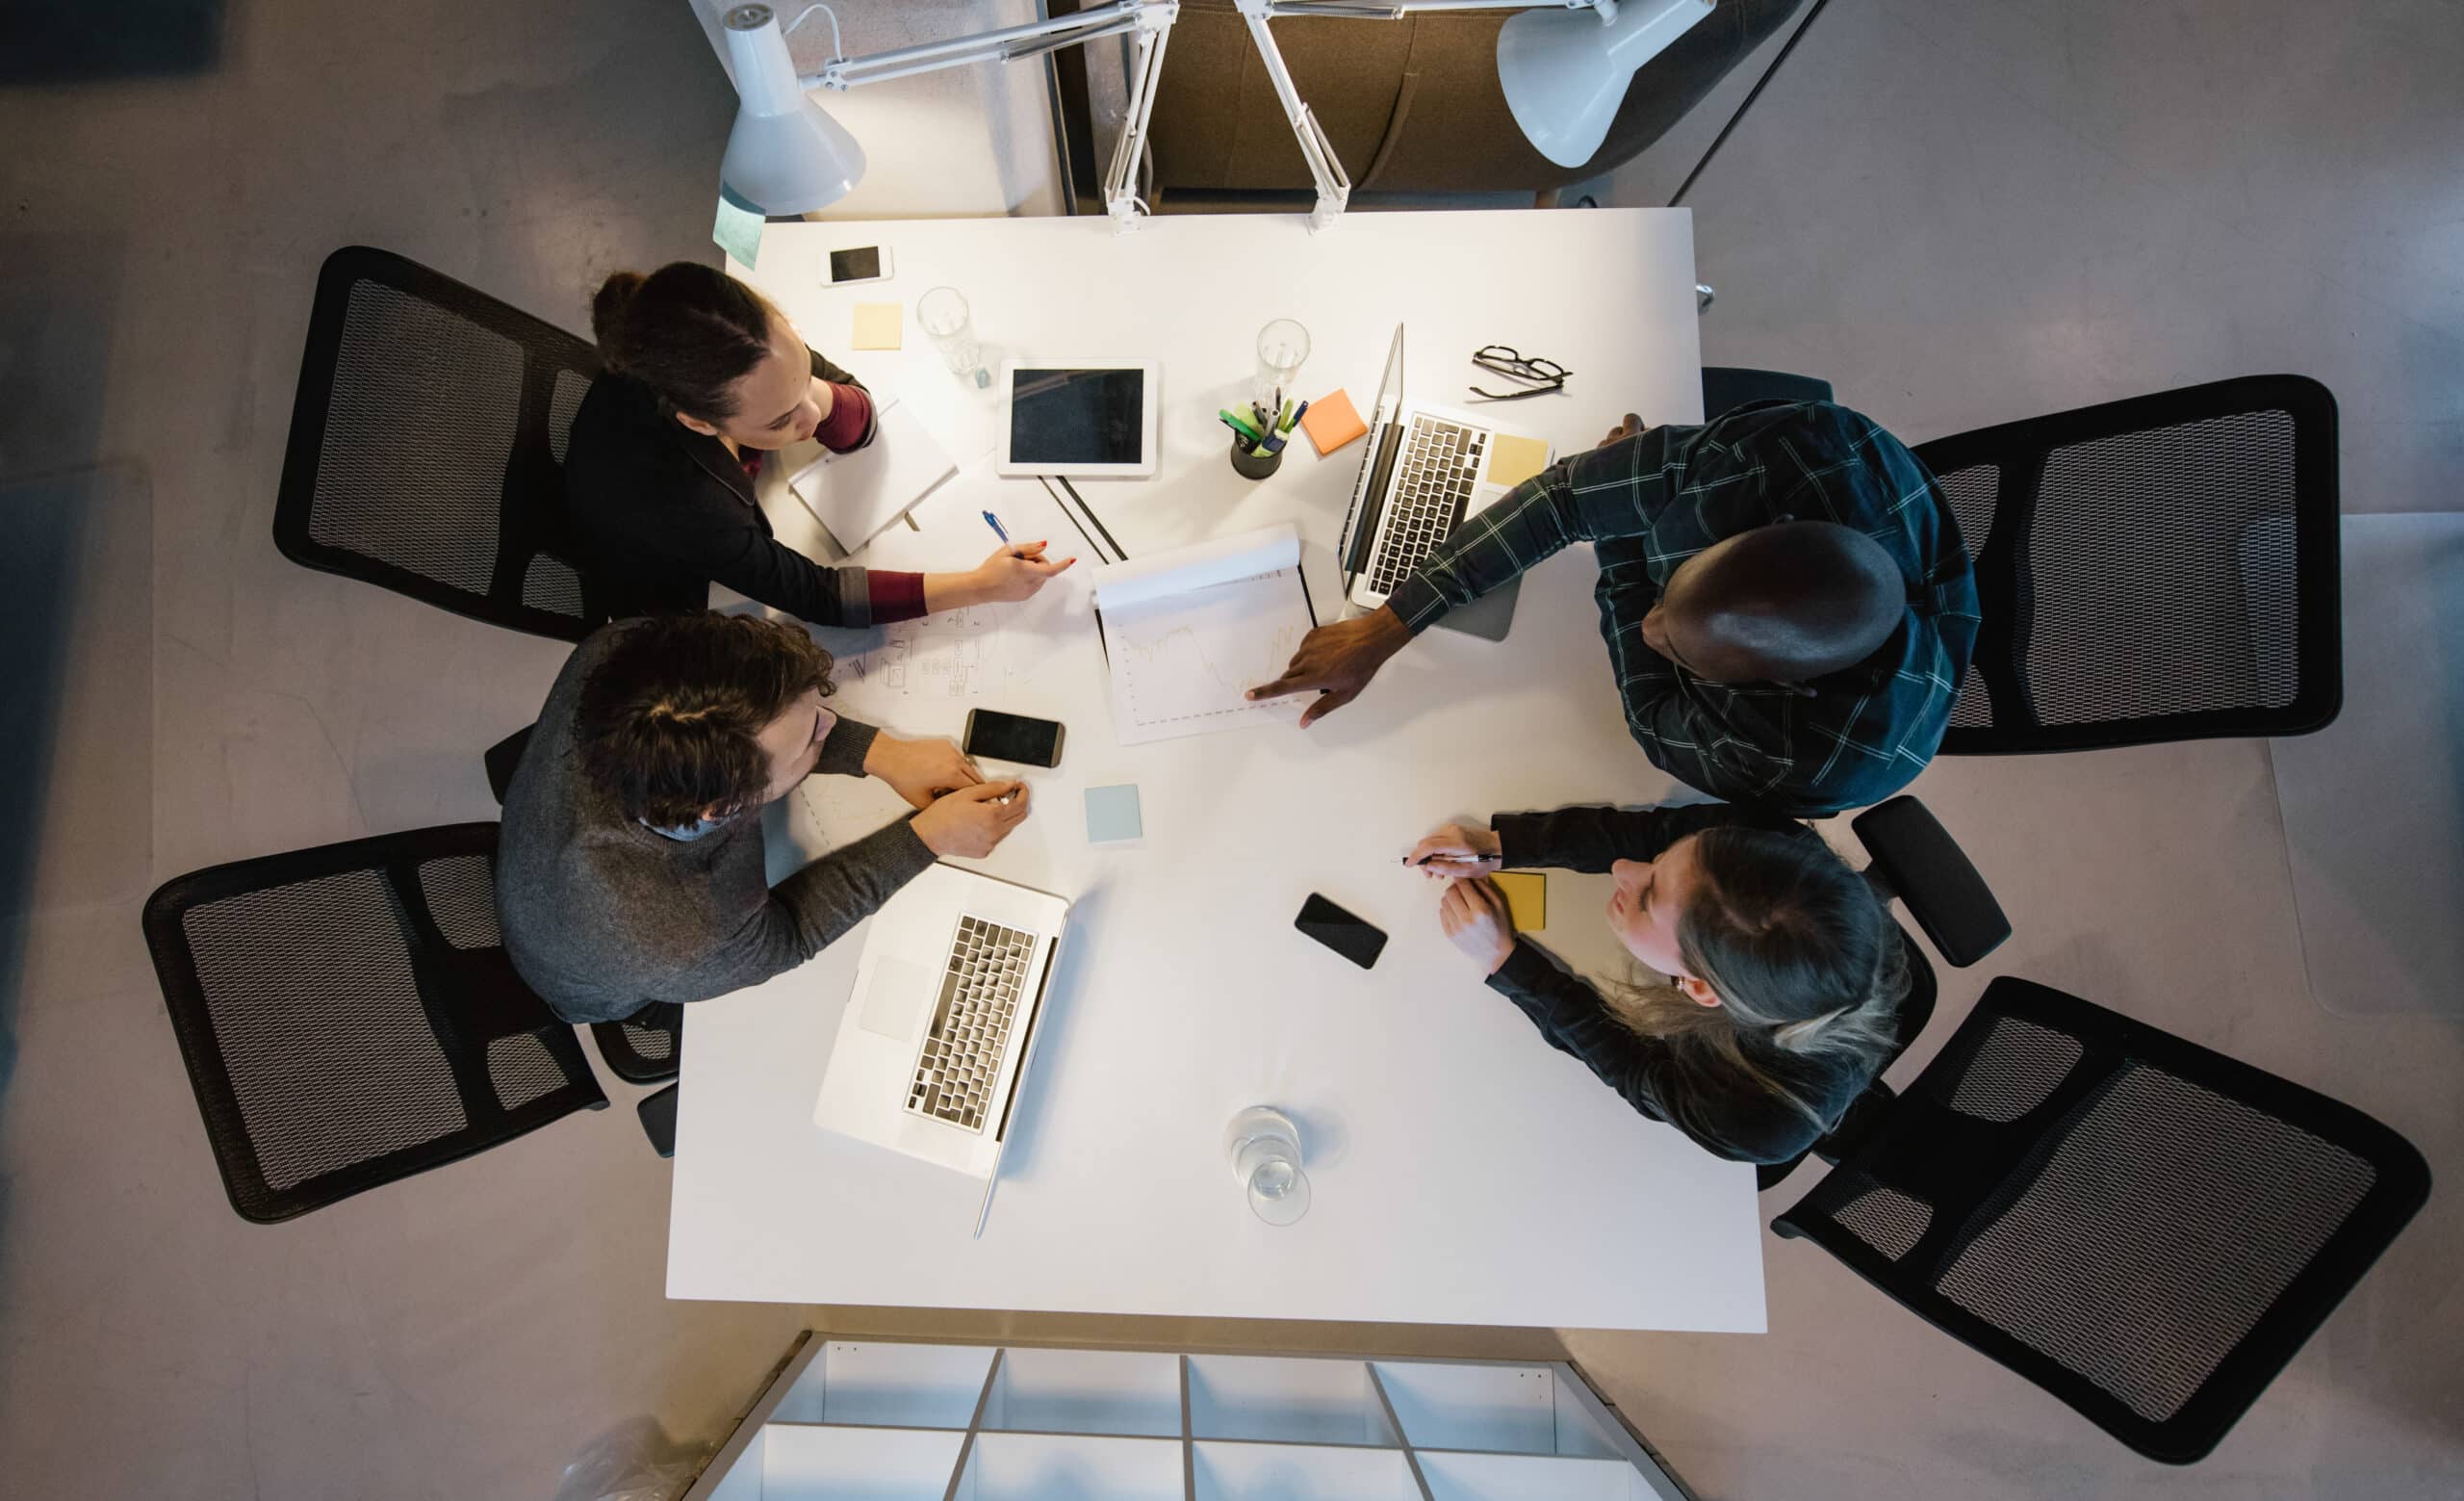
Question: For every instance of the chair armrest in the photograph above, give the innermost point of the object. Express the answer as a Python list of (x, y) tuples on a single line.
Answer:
[(502, 757), (1920, 864)]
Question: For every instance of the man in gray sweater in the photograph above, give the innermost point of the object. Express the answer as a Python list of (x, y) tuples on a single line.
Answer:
[(630, 867)]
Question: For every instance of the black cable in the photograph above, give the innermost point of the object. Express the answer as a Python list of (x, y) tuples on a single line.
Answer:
[(1751, 95)]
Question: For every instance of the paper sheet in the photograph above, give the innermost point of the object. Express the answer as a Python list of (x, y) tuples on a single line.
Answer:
[(1188, 632), (855, 494), (958, 654)]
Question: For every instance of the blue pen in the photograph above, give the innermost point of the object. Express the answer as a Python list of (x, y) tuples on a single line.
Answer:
[(995, 522)]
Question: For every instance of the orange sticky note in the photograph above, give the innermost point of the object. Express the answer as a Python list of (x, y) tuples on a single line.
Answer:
[(1331, 423)]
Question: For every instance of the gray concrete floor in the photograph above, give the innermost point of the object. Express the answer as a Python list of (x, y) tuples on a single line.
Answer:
[(1957, 212)]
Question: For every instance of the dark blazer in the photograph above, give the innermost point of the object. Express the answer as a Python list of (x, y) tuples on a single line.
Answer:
[(659, 512), (1727, 1113)]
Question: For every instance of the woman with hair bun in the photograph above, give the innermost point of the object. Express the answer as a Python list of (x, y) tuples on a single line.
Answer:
[(702, 378)]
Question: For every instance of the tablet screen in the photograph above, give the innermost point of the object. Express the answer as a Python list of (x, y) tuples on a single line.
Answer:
[(1076, 415)]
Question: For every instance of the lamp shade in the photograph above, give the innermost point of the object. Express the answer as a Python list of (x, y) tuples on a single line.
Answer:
[(1564, 72), (785, 155)]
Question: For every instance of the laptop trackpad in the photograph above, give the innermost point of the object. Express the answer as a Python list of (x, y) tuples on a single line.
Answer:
[(894, 1003)]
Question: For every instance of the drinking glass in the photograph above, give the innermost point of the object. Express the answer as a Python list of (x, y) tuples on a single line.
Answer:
[(1282, 345), (1264, 1149), (945, 319)]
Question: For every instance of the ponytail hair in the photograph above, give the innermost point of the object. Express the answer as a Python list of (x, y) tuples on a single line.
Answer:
[(687, 332), (1801, 951)]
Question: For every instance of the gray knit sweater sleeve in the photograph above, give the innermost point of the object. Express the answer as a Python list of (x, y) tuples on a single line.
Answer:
[(602, 916)]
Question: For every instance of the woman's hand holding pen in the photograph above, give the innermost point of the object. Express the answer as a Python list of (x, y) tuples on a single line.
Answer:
[(1015, 572), (1454, 852), (1012, 573)]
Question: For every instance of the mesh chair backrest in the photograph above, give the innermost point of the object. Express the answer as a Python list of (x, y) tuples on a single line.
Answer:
[(2161, 568), (2147, 1228), (348, 1017), (427, 441), (645, 1048)]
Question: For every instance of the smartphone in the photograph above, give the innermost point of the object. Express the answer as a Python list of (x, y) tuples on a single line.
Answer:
[(1340, 931), (863, 263), (1000, 737)]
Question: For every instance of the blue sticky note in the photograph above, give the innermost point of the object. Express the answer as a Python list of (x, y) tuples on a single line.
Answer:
[(739, 230), (1112, 814)]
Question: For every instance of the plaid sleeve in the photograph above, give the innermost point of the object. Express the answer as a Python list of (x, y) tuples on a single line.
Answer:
[(1615, 491), (1695, 744)]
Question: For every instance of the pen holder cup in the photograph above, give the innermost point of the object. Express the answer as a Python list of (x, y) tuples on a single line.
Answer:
[(1255, 466)]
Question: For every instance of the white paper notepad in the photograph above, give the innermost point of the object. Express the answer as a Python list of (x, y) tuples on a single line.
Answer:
[(855, 494), (1188, 632)]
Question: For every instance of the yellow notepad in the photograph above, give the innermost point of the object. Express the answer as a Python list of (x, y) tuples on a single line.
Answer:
[(1513, 460), (877, 325), (1526, 898)]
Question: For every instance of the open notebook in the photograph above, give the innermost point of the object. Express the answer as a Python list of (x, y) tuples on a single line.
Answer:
[(1188, 632)]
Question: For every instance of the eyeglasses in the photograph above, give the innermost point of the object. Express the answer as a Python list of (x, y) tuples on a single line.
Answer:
[(1544, 375)]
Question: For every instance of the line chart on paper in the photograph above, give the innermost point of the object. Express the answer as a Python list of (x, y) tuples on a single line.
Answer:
[(1180, 663)]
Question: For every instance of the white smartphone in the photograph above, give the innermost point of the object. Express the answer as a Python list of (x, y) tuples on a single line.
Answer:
[(861, 262)]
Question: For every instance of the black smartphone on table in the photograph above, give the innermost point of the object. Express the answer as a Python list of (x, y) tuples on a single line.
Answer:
[(999, 737), (1339, 930)]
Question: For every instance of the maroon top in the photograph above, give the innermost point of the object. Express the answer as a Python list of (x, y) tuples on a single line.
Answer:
[(895, 596)]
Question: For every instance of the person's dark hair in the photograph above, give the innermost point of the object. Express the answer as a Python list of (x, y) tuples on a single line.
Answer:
[(1800, 949), (1802, 598), (669, 722), (687, 332)]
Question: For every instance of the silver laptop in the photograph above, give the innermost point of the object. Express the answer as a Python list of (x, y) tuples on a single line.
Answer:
[(1424, 471), (940, 1027)]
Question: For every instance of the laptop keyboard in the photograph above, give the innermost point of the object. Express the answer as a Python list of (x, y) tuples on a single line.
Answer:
[(1432, 494), (980, 991)]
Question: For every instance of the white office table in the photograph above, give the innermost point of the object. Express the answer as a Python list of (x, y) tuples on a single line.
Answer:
[(1464, 1171)]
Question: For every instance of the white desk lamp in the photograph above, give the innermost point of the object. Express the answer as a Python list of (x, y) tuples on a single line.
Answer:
[(1563, 76)]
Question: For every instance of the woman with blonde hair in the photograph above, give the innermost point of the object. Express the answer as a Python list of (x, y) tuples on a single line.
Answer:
[(1784, 970)]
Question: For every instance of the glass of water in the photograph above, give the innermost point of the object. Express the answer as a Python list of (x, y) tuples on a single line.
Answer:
[(946, 319), (1282, 345), (1264, 1149)]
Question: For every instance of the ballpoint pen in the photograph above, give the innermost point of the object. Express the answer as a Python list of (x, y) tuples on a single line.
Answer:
[(995, 522), (1297, 412)]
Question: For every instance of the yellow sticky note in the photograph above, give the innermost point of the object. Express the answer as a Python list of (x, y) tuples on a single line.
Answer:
[(877, 325), (1526, 898), (1513, 460)]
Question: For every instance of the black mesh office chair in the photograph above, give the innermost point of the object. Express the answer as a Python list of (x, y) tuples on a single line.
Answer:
[(427, 445), (2144, 1228), (1916, 862), (2163, 568), (348, 1016), (1727, 386), (645, 1049)]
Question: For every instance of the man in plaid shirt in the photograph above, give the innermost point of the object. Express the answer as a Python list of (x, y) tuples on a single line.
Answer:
[(1787, 603)]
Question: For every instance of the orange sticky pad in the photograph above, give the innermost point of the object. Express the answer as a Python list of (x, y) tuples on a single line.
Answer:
[(1331, 423)]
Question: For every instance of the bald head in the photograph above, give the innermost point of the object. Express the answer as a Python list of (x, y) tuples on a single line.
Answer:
[(1779, 604)]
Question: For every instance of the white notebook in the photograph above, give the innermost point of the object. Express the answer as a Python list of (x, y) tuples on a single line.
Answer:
[(1190, 631), (855, 494)]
